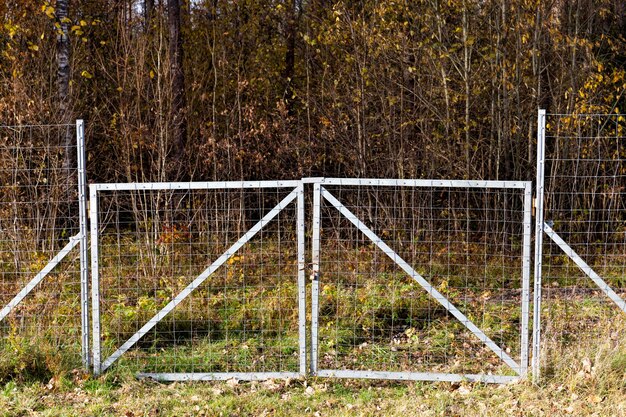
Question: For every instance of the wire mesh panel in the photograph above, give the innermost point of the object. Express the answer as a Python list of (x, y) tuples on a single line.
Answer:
[(582, 285), (199, 280), (422, 280), (40, 274)]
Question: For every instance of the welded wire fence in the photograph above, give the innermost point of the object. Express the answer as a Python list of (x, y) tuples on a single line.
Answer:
[(422, 280), (583, 267), (409, 279), (199, 280), (39, 222)]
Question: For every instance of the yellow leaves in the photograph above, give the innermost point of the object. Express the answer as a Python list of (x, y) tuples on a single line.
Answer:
[(235, 259), (48, 10), (76, 29), (33, 47), (12, 29), (152, 74), (618, 76), (86, 74)]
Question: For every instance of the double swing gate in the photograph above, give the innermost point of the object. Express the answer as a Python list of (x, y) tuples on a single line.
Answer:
[(407, 279), (355, 278)]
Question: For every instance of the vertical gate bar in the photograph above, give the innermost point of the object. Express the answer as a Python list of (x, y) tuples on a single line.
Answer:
[(301, 280), (315, 259), (95, 278), (526, 276), (541, 148), (82, 217)]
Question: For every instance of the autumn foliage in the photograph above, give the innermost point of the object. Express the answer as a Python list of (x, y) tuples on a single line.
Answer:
[(284, 89)]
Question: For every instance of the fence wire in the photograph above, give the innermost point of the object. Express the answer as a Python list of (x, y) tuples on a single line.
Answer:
[(584, 207), (38, 217), (465, 242), (243, 318)]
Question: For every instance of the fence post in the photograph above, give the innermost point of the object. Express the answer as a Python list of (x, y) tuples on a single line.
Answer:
[(82, 218), (315, 259), (301, 280), (541, 148), (526, 276), (95, 280)]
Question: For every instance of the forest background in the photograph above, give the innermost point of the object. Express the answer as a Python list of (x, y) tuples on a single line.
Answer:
[(229, 90)]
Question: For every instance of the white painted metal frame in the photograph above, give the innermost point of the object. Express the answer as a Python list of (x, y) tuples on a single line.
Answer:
[(320, 193), (296, 194)]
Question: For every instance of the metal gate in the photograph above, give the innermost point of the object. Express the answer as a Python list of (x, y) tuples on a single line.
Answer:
[(199, 281), (420, 279), (42, 219), (581, 209)]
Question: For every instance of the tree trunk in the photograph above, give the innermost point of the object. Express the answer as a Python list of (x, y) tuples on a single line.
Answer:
[(63, 79), (67, 186), (177, 115)]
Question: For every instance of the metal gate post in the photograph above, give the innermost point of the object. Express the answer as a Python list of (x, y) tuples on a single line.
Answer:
[(301, 280), (82, 218), (95, 279), (526, 276), (541, 148), (315, 276)]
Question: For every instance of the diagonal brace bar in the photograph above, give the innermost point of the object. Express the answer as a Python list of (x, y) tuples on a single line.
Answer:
[(200, 279), (74, 240), (421, 281), (585, 267)]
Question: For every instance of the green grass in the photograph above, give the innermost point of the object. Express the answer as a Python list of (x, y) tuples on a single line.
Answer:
[(371, 317), (119, 394)]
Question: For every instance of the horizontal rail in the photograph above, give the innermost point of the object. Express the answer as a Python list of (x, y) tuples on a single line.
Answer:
[(294, 183), (425, 183), (217, 185), (213, 376), (417, 376)]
